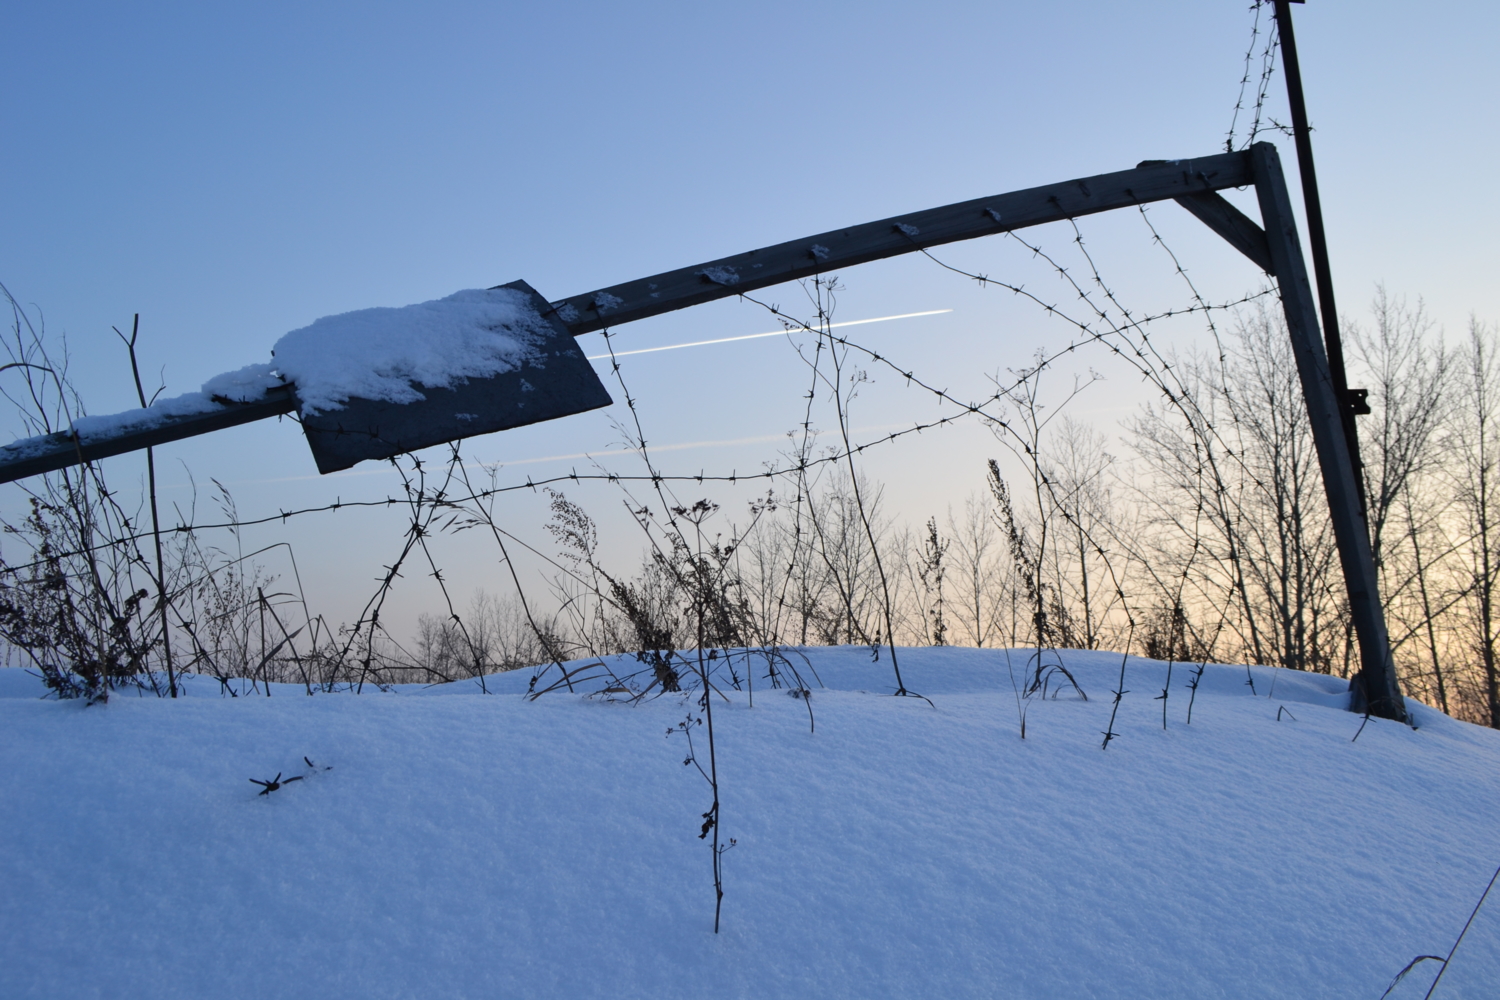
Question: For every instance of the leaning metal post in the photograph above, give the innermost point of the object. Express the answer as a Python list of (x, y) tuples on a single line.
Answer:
[(1375, 686), (1317, 242)]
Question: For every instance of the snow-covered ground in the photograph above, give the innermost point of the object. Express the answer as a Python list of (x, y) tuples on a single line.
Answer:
[(489, 846)]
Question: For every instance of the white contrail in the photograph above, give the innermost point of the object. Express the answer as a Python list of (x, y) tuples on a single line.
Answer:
[(359, 473), (756, 336)]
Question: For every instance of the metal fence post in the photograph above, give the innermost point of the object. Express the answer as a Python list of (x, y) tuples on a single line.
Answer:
[(1375, 687)]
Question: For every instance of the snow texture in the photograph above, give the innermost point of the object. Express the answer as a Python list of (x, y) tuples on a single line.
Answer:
[(487, 846), (604, 302), (721, 275), (384, 354)]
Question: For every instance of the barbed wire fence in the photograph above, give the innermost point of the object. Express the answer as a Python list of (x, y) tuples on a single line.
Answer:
[(1174, 606), (433, 502), (431, 506), (418, 494), (1179, 591)]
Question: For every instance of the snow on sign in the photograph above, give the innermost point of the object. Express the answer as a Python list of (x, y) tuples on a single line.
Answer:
[(367, 384), (379, 382)]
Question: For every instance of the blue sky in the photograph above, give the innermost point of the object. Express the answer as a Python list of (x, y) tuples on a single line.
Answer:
[(235, 171)]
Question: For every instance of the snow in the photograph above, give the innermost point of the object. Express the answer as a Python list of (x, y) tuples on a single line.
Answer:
[(604, 302), (474, 845), (383, 354), (721, 275), (379, 354), (908, 229), (246, 384)]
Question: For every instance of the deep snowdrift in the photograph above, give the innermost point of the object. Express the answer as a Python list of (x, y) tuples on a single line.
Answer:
[(488, 846)]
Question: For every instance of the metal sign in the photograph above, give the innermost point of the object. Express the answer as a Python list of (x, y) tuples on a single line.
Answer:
[(554, 381)]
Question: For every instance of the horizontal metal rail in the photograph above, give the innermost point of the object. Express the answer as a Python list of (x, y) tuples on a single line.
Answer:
[(1155, 180), (65, 448)]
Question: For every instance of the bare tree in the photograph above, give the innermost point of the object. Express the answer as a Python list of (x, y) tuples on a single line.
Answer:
[(1477, 437), (1257, 524), (977, 575), (1410, 374)]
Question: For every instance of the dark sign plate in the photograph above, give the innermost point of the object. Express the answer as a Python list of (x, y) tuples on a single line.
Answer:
[(557, 382)]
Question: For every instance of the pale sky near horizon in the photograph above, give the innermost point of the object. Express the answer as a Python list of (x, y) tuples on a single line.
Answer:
[(234, 172)]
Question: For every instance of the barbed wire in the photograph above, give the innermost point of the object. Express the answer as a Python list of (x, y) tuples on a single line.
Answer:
[(967, 409), (1155, 368), (1107, 322), (1124, 335), (1267, 71)]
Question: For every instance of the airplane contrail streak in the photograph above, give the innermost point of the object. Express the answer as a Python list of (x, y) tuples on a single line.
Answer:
[(757, 336)]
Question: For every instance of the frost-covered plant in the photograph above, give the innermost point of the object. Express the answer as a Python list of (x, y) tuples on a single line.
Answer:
[(82, 603), (75, 605), (74, 618)]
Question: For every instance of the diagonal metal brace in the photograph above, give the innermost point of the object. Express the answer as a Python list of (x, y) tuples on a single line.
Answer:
[(1238, 230)]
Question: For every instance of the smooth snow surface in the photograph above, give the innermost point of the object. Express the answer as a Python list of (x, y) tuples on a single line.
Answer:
[(244, 386), (486, 846), (381, 354)]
